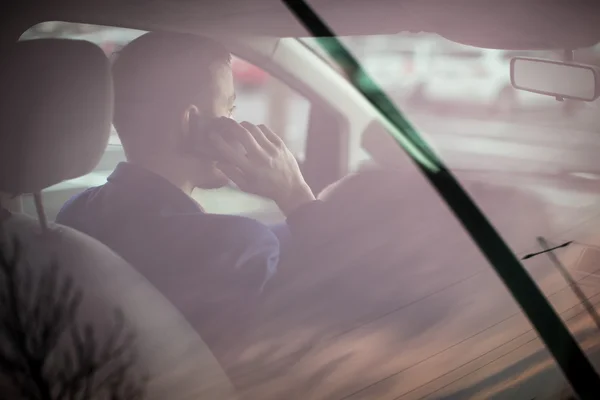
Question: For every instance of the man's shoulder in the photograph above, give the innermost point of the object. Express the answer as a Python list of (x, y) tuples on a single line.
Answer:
[(76, 204)]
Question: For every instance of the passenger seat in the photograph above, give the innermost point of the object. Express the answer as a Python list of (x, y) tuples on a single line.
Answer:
[(75, 319)]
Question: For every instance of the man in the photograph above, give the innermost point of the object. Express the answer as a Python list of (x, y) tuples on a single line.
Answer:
[(212, 267)]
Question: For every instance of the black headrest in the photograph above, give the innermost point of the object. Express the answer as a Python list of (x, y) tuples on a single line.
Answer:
[(55, 112)]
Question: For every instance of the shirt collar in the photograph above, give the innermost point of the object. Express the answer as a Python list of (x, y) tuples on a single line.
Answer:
[(152, 188)]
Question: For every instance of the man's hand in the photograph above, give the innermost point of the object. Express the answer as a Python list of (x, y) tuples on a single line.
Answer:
[(259, 162)]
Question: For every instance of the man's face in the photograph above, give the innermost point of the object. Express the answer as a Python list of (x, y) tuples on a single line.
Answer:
[(224, 98), (222, 104)]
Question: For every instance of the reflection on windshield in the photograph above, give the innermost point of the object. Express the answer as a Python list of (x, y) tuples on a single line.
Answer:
[(457, 78), (399, 304)]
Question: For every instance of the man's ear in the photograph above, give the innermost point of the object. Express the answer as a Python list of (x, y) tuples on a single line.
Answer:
[(183, 135), (186, 116)]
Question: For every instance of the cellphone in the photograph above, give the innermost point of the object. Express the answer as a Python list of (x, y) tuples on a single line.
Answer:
[(199, 143)]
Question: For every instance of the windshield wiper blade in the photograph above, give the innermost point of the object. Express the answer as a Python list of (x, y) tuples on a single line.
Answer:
[(531, 255), (574, 364)]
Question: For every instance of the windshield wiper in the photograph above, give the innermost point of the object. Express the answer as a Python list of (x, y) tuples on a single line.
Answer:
[(574, 364), (531, 255)]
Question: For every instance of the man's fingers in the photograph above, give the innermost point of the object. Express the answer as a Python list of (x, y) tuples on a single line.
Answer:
[(239, 133), (259, 136), (234, 174), (271, 136)]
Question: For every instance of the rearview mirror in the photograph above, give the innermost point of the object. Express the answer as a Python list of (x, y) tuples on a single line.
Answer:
[(555, 78)]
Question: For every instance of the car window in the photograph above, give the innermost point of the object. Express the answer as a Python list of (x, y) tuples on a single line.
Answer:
[(260, 99)]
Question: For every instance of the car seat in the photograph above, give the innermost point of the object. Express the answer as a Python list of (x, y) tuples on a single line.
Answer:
[(76, 321)]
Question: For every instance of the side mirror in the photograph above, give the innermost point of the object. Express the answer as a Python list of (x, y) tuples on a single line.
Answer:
[(555, 78)]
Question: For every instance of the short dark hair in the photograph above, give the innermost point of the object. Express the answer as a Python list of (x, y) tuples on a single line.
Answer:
[(153, 77)]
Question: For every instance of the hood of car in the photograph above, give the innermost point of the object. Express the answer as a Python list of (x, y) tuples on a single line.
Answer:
[(501, 24)]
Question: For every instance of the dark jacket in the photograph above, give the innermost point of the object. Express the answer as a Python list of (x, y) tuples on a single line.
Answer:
[(212, 267)]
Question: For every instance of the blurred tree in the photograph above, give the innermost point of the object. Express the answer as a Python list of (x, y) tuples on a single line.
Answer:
[(45, 352)]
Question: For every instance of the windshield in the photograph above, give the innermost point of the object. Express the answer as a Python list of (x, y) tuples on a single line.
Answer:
[(461, 100), (398, 303)]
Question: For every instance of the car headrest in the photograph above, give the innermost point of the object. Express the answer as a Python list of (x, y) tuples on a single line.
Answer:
[(55, 112)]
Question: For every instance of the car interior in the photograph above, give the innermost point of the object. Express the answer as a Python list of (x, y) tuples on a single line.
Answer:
[(77, 321)]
